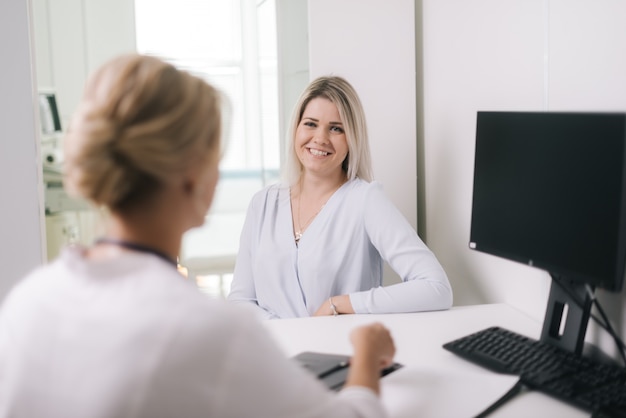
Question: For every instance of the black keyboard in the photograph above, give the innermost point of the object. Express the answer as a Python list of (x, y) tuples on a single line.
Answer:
[(577, 380)]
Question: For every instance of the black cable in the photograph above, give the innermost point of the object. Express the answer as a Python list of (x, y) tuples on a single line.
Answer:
[(604, 323), (620, 344), (516, 389)]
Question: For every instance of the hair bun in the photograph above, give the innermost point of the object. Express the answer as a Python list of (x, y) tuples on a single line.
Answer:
[(141, 122)]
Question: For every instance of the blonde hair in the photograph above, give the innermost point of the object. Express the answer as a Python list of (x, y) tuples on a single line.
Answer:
[(141, 122), (342, 94)]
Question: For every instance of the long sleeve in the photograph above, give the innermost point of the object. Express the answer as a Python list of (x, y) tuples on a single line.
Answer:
[(243, 287), (284, 389), (179, 355), (424, 286), (251, 377)]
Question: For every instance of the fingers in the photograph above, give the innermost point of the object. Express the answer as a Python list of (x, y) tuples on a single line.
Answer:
[(375, 342), (373, 350)]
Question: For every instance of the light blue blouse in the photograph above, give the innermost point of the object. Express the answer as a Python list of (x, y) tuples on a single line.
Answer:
[(341, 252)]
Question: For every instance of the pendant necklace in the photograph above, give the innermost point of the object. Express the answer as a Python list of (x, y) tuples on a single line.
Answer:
[(136, 247), (301, 228)]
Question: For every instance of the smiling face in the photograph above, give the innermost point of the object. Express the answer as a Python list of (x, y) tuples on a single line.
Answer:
[(320, 139)]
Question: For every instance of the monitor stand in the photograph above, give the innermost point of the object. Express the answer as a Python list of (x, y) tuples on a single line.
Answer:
[(569, 302)]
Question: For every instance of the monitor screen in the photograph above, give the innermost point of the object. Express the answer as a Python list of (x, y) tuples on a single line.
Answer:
[(49, 113), (549, 192)]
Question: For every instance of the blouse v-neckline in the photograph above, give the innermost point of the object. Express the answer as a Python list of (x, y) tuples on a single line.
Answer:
[(313, 222)]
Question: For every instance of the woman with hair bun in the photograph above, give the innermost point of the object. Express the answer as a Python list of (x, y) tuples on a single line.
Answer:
[(113, 330)]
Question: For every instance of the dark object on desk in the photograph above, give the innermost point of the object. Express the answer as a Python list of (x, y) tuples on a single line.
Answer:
[(589, 384), (609, 412), (332, 369)]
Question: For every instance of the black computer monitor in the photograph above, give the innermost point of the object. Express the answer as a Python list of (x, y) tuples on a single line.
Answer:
[(49, 113), (550, 192)]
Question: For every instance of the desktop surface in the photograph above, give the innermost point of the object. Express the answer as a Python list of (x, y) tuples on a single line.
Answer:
[(433, 382)]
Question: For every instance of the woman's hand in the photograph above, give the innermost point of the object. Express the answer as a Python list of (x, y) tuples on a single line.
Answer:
[(374, 350), (342, 306)]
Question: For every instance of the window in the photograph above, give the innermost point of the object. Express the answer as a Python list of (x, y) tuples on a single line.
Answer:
[(231, 44)]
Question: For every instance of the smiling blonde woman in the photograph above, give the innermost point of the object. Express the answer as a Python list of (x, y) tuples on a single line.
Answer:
[(316, 243)]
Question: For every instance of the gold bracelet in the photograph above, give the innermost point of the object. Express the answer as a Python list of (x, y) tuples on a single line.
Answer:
[(332, 306)]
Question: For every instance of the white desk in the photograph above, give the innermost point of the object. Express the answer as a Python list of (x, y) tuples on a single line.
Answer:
[(434, 382)]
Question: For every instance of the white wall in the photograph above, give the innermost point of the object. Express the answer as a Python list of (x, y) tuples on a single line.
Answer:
[(513, 55), (21, 206), (485, 55)]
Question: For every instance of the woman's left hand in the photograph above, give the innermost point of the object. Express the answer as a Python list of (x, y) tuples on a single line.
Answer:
[(342, 306)]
